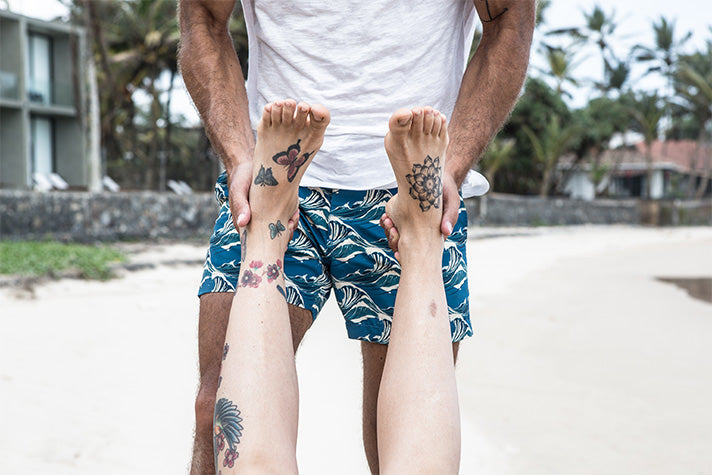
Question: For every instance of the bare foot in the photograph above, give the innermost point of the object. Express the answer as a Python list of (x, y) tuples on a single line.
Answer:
[(416, 144), (288, 137)]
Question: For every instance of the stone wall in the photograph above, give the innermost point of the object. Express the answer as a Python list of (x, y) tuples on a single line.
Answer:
[(511, 210), (86, 217)]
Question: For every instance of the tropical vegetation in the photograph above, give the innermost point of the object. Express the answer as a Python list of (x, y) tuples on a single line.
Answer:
[(145, 142)]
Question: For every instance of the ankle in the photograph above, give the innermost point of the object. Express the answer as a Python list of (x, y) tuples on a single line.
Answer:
[(421, 244)]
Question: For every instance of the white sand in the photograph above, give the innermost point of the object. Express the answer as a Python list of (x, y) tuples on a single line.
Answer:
[(582, 363)]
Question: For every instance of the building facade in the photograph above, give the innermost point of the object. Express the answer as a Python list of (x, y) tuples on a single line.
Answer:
[(42, 92), (681, 169)]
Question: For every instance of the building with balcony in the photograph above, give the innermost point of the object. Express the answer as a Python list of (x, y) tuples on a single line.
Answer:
[(42, 89)]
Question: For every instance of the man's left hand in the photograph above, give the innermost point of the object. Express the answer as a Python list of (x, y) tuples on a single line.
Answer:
[(451, 207)]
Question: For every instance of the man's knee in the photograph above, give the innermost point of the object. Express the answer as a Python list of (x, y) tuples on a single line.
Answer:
[(205, 404)]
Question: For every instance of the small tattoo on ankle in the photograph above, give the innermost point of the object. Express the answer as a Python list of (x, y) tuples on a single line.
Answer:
[(291, 159), (225, 351), (227, 428), (281, 290), (265, 177), (243, 245), (426, 183), (275, 229), (489, 13)]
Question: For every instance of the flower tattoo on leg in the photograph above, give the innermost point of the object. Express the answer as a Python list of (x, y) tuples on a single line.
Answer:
[(426, 184), (273, 271), (227, 427), (253, 275)]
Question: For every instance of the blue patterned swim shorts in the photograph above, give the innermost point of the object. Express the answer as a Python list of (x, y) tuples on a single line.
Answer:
[(340, 245)]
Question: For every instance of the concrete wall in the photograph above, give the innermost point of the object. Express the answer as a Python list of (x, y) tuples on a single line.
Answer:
[(13, 165), (10, 60), (87, 217), (511, 210), (70, 151)]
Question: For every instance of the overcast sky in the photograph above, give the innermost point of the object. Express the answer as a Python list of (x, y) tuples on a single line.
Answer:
[(634, 20)]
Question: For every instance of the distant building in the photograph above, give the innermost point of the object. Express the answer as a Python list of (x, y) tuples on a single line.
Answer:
[(679, 167), (41, 95)]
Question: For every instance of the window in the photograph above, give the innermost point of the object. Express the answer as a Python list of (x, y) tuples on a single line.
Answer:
[(42, 130), (40, 83)]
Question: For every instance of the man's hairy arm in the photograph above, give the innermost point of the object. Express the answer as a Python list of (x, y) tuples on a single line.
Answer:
[(213, 77), (488, 92)]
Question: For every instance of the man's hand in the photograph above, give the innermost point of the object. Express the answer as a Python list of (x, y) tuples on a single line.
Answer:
[(238, 184), (451, 207), (451, 204), (213, 77)]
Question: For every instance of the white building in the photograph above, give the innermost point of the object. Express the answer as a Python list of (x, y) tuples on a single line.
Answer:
[(41, 95), (679, 167)]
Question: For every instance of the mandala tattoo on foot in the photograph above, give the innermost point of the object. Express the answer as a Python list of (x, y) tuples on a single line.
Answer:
[(265, 178), (292, 160), (227, 429), (426, 183)]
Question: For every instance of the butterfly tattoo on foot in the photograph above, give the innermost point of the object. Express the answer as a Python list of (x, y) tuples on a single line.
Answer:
[(276, 229), (291, 159), (265, 177)]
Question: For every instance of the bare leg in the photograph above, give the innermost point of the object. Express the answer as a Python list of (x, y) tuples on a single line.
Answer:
[(256, 412), (418, 413), (374, 357), (214, 315)]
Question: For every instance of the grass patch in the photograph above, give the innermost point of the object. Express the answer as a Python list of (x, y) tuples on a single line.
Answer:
[(49, 258)]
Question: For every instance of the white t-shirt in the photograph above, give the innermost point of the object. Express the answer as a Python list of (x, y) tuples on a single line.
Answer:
[(362, 60)]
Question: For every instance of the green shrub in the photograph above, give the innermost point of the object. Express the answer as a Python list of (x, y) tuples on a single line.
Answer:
[(49, 258)]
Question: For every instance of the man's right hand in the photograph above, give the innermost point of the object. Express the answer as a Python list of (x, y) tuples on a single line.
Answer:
[(238, 182)]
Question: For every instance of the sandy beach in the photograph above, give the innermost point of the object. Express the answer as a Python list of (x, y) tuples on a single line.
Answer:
[(583, 362)]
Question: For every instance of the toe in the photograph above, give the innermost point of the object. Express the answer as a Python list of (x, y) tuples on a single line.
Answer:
[(428, 119), (319, 116), (277, 113), (417, 128), (300, 118), (443, 127), (437, 123), (400, 121), (267, 115), (288, 111)]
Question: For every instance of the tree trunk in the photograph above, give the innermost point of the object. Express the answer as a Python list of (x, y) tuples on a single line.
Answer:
[(706, 165), (546, 182), (166, 152), (649, 162), (152, 156)]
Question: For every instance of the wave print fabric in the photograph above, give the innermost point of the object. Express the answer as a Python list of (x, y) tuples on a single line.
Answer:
[(339, 245)]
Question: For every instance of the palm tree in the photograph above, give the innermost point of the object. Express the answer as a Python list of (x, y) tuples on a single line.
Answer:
[(598, 30), (646, 113), (561, 63), (144, 44), (499, 153), (693, 84), (663, 56), (549, 146)]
